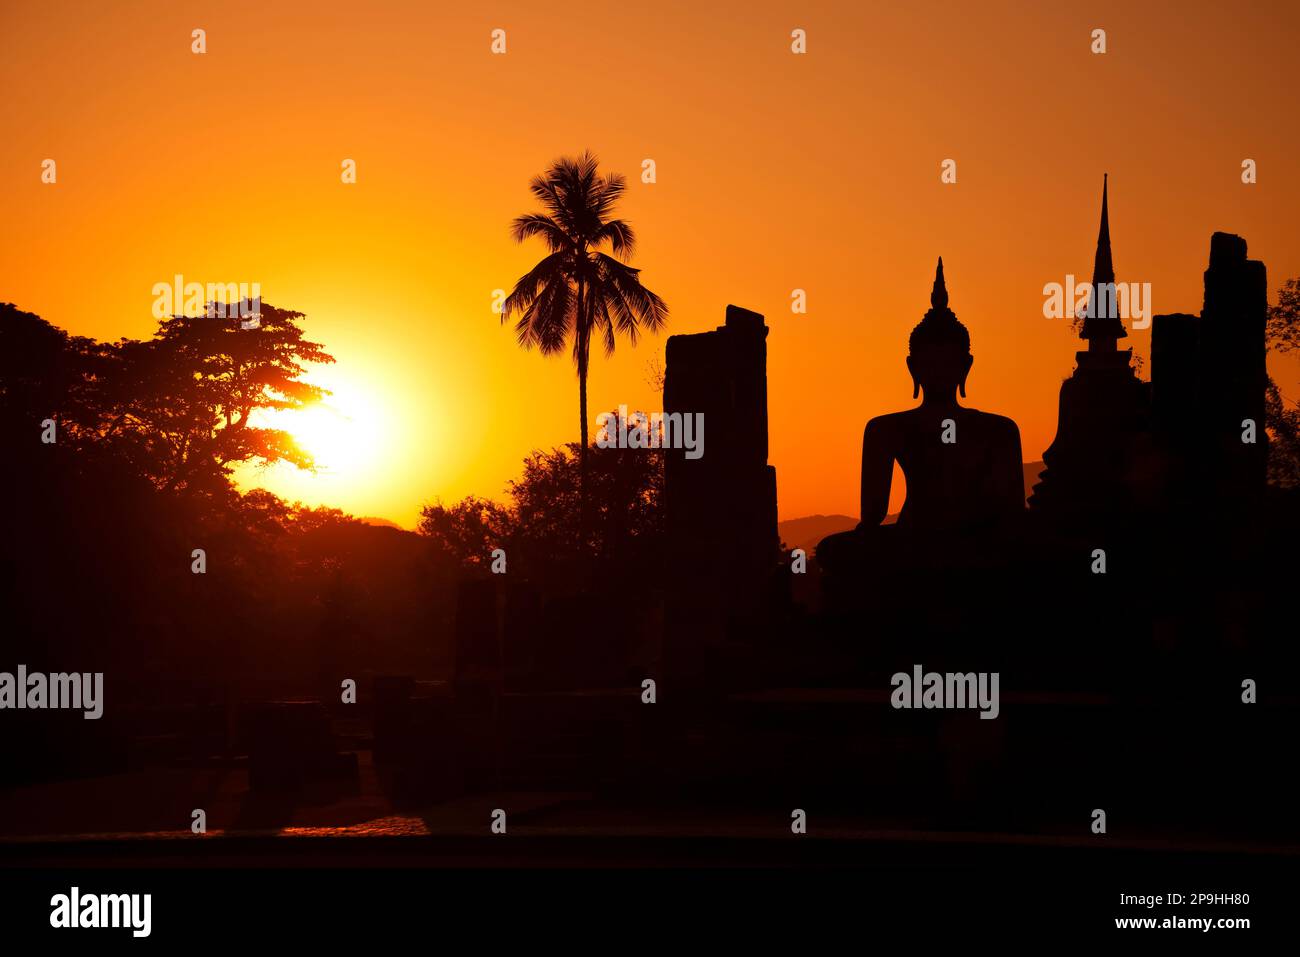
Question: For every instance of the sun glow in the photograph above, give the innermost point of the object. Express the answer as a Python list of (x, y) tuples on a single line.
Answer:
[(345, 433), (341, 435), (349, 436)]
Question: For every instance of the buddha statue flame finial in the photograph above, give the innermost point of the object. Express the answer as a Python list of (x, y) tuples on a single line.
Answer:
[(939, 294)]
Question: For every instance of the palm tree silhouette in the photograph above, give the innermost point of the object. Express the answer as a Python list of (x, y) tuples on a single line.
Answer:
[(578, 291)]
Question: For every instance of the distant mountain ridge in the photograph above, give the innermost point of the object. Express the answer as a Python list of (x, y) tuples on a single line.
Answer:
[(380, 522), (807, 531)]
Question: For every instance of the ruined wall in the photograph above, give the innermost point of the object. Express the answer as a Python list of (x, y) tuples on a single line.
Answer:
[(721, 508), (1208, 375)]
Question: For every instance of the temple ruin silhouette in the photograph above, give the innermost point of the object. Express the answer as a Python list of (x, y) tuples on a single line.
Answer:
[(1104, 411), (1208, 377), (721, 507), (1129, 598), (1124, 446)]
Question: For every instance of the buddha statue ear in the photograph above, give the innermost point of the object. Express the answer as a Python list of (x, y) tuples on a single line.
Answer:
[(916, 383), (961, 386)]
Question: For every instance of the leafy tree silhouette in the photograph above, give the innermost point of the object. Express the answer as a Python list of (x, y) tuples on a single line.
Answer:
[(578, 291), (178, 408), (1283, 423), (539, 525), (181, 405)]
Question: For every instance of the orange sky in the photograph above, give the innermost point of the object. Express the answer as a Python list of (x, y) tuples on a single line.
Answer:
[(775, 172)]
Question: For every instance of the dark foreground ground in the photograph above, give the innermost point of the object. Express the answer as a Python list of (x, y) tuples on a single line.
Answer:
[(620, 823), (544, 885), (581, 868)]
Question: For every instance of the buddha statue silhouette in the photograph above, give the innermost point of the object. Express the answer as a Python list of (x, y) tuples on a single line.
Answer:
[(962, 467)]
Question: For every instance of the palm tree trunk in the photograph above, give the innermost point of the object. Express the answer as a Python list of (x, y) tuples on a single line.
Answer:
[(584, 503), (582, 412), (581, 334)]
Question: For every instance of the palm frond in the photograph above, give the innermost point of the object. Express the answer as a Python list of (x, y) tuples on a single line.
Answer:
[(551, 269), (606, 327), (643, 306), (547, 320), (608, 190), (542, 226), (619, 235)]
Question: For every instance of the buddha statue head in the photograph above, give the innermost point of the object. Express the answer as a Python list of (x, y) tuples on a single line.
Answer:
[(939, 356)]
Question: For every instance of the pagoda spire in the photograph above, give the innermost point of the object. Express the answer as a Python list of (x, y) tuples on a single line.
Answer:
[(1103, 270), (1102, 325)]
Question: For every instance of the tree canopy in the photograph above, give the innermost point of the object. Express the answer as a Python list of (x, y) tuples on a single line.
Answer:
[(177, 409)]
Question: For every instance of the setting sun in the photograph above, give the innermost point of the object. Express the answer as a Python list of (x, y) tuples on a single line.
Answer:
[(348, 434), (340, 434)]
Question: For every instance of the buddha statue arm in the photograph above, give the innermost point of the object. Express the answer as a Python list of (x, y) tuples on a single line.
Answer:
[(877, 474), (1011, 480)]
